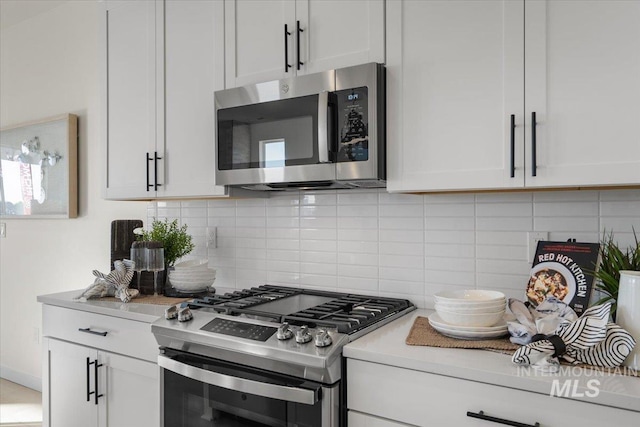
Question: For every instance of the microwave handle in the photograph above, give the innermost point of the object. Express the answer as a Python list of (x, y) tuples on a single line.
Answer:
[(272, 391), (323, 126)]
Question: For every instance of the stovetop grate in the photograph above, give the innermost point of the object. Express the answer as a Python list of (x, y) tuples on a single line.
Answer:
[(348, 313)]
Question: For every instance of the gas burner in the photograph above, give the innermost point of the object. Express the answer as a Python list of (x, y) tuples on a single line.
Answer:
[(345, 313)]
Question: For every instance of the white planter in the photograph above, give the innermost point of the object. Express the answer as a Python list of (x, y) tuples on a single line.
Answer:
[(628, 312)]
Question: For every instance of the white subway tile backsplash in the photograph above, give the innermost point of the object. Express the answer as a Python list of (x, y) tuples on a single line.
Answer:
[(321, 258), (392, 223), (570, 209), (458, 278), (620, 208), (565, 223), (565, 196), (372, 242), (501, 224), (319, 245), (499, 210), (620, 195), (358, 246), (358, 198), (449, 236), (401, 248), (512, 238), (451, 223), (503, 266), (504, 197), (410, 236), (449, 264), (450, 250), (503, 281), (502, 252)]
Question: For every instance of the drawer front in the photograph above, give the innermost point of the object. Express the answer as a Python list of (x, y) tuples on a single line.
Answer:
[(424, 399), (356, 419), (123, 336)]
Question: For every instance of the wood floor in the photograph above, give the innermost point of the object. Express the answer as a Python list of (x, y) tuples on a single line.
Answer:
[(19, 406)]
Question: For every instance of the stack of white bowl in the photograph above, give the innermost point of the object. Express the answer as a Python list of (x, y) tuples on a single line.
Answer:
[(470, 314), (192, 276)]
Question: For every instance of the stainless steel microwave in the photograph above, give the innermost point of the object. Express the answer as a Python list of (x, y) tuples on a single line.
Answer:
[(318, 131)]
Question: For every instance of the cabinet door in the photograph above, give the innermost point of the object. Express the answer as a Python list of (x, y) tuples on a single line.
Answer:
[(132, 392), (67, 380), (454, 78), (339, 33), (583, 83), (255, 40), (129, 126), (193, 67)]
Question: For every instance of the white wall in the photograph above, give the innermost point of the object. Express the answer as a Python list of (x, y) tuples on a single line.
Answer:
[(49, 66), (401, 245)]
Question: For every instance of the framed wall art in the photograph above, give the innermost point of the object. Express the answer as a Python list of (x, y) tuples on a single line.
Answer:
[(39, 169)]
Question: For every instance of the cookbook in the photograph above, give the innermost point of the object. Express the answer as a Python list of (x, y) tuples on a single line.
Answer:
[(563, 270)]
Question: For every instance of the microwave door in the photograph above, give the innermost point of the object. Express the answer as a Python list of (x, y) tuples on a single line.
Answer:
[(275, 142)]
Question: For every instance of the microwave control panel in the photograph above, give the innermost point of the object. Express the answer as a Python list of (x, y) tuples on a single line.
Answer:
[(353, 124)]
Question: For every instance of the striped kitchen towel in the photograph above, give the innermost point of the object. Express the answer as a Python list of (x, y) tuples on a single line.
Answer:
[(591, 339)]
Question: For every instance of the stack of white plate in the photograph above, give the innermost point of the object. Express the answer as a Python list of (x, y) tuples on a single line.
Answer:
[(192, 276), (470, 314)]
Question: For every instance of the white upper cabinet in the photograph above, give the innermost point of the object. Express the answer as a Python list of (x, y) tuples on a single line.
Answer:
[(129, 95), (458, 71), (583, 83), (274, 39), (193, 71), (454, 78), (164, 60)]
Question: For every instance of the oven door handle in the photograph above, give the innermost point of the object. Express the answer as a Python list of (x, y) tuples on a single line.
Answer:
[(272, 391)]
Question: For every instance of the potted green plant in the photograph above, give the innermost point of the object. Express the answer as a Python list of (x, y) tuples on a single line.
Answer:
[(175, 240), (613, 259)]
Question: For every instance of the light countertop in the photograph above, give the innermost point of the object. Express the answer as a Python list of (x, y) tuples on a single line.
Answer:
[(133, 311), (387, 346)]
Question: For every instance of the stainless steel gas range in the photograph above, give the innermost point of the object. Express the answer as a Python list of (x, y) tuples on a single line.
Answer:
[(265, 356)]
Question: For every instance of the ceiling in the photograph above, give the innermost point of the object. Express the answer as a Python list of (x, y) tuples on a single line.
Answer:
[(15, 11)]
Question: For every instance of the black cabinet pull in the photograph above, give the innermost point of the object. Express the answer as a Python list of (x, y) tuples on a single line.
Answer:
[(480, 415), (89, 331), (513, 145), (298, 31), (95, 373), (148, 160), (286, 49), (88, 385), (534, 164), (155, 170)]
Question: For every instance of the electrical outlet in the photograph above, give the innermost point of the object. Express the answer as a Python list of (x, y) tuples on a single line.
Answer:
[(3, 229), (212, 237), (533, 237)]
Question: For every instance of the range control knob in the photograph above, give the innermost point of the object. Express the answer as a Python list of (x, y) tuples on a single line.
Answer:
[(284, 332), (323, 339), (303, 335), (171, 312), (184, 314)]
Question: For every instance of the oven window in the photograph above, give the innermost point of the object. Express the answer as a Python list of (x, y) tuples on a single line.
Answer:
[(269, 135), (191, 403)]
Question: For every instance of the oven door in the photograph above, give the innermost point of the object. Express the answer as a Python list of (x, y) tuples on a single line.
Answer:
[(199, 391)]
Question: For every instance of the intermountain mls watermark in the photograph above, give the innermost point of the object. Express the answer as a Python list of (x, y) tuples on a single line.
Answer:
[(573, 381)]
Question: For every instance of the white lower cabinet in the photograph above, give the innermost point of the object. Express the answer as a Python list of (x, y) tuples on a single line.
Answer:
[(382, 393), (104, 357)]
